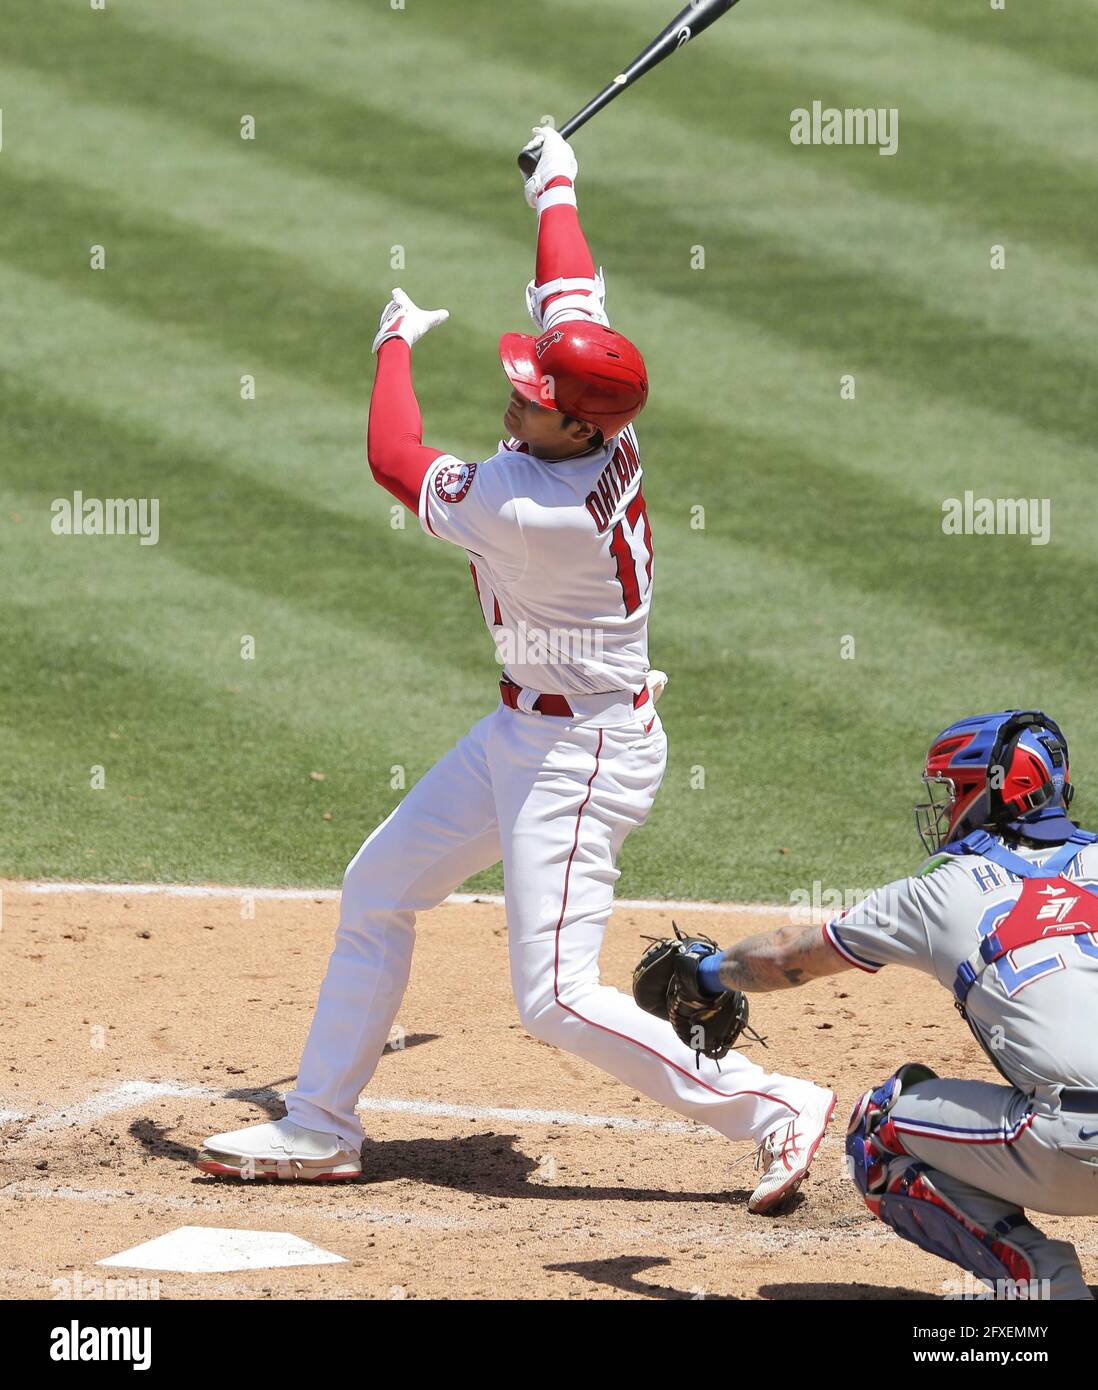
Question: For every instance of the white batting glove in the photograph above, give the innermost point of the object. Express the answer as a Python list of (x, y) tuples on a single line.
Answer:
[(402, 319), (557, 158)]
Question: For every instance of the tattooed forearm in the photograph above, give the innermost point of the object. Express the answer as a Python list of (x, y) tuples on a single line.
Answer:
[(778, 960), (747, 969)]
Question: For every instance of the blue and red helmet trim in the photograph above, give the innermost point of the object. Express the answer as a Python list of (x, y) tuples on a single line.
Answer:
[(1007, 771)]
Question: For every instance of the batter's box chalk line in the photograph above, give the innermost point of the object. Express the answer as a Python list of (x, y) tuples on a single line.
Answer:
[(129, 1094), (193, 890)]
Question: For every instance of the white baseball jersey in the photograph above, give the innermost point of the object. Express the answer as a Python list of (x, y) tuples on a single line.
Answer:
[(1034, 1010), (561, 558)]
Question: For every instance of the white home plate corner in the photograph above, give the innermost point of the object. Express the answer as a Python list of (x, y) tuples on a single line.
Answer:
[(214, 1250)]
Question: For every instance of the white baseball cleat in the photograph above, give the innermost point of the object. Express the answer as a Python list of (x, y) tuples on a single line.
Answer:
[(788, 1151), (278, 1149)]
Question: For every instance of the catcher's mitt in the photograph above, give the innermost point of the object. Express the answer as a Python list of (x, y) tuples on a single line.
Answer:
[(665, 983)]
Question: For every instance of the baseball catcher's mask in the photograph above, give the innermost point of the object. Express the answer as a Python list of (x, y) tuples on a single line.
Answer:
[(1006, 772)]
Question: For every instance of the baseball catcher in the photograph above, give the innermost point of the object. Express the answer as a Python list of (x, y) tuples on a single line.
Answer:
[(1005, 916)]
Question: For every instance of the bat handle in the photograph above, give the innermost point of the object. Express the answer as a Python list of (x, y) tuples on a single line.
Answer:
[(528, 159)]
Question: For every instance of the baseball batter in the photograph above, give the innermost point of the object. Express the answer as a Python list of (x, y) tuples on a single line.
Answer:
[(559, 545), (1006, 918)]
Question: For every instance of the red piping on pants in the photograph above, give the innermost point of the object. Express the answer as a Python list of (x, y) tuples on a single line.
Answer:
[(728, 1095)]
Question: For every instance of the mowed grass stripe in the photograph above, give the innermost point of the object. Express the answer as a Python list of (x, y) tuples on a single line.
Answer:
[(755, 638), (692, 452), (795, 507), (720, 663), (938, 354), (800, 509), (169, 732), (715, 88), (200, 784), (224, 290), (944, 264), (167, 602), (881, 49), (299, 435), (895, 501), (815, 177), (239, 531), (882, 55), (991, 185), (215, 805), (887, 545), (1063, 38), (868, 533), (142, 640), (178, 729), (264, 814), (713, 657), (163, 269)]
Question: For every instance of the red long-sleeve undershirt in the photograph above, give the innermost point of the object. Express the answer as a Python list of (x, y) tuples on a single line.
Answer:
[(398, 458)]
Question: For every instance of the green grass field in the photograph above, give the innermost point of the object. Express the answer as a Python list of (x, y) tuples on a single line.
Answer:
[(378, 129)]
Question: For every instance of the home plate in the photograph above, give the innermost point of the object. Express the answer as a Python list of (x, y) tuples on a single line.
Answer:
[(212, 1250)]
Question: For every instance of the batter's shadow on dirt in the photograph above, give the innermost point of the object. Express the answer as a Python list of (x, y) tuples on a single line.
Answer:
[(492, 1166), (621, 1273), (270, 1098), (154, 1138), (850, 1293), (488, 1165)]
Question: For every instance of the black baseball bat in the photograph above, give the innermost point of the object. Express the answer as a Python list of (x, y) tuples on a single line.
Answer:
[(687, 24)]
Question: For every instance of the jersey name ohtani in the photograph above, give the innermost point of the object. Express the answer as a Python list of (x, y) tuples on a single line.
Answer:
[(613, 483)]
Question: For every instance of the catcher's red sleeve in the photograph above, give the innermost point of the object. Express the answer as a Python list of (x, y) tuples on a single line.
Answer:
[(398, 458)]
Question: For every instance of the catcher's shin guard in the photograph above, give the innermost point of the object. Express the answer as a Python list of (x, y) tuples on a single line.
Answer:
[(902, 1192)]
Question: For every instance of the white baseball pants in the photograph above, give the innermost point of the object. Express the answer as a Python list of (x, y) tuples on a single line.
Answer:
[(555, 800)]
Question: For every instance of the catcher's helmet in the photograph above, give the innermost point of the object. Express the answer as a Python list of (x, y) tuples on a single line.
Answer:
[(581, 369), (1006, 771)]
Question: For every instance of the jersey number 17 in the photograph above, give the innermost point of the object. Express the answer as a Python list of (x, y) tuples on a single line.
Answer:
[(631, 545)]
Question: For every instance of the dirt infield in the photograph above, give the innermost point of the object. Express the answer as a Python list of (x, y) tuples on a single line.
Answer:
[(496, 1166)]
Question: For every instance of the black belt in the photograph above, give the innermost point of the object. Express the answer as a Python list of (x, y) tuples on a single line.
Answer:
[(1079, 1101)]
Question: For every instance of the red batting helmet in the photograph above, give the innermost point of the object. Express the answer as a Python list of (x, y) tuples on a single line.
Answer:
[(581, 369)]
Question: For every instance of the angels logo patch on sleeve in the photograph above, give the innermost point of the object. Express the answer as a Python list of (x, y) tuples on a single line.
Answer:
[(453, 481), (487, 523)]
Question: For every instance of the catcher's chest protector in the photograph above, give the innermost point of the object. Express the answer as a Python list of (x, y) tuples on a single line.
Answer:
[(1049, 905)]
